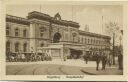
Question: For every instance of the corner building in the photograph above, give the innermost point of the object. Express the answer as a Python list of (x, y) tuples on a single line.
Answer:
[(41, 32)]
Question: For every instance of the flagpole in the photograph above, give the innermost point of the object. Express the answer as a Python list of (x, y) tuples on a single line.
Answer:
[(72, 12), (102, 23)]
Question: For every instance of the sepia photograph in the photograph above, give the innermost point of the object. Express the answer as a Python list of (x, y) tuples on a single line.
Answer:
[(64, 39)]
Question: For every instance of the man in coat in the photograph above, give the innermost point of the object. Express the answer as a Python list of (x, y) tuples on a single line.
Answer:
[(104, 60), (86, 56), (97, 57), (120, 60)]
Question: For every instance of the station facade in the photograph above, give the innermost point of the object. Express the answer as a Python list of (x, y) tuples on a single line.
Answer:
[(41, 32)]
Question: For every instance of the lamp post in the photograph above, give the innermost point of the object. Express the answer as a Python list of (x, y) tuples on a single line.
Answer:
[(113, 48)]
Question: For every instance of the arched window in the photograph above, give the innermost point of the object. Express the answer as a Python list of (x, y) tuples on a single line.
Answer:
[(57, 37), (8, 45), (7, 30), (42, 44), (16, 32), (24, 33), (25, 47), (16, 47)]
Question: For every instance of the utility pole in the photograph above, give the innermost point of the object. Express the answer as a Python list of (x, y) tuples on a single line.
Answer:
[(101, 31), (102, 23), (72, 12)]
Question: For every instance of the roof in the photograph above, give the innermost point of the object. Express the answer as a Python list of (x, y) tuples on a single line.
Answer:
[(15, 19), (93, 34), (42, 16)]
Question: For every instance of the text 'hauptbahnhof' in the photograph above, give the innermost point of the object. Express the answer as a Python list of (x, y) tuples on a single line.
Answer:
[(41, 33)]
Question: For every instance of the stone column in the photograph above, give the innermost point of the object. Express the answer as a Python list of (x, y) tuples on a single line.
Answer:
[(32, 37), (65, 53)]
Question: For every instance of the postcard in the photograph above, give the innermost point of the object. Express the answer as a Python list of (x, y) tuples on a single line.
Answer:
[(63, 40)]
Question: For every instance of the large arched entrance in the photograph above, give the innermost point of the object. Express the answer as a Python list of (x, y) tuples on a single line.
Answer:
[(56, 37)]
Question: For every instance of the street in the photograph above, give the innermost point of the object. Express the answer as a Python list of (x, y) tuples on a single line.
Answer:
[(45, 69), (57, 67)]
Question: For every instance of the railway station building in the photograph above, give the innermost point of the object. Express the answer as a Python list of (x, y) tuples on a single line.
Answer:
[(41, 32)]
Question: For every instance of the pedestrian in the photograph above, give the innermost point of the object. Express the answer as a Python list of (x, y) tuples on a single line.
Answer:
[(18, 57), (10, 54), (23, 57), (97, 57), (120, 60), (104, 60), (86, 57), (13, 57), (32, 56)]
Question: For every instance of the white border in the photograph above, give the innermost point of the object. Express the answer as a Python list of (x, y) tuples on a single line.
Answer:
[(63, 78)]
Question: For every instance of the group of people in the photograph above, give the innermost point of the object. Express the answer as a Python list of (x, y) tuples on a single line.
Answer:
[(97, 56), (26, 57), (104, 57), (101, 57), (12, 57)]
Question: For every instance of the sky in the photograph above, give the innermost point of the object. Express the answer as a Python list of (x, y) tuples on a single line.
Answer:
[(95, 16)]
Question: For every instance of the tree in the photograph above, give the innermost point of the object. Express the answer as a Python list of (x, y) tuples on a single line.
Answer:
[(113, 29)]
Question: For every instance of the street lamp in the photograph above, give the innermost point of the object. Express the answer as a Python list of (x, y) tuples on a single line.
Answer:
[(113, 49)]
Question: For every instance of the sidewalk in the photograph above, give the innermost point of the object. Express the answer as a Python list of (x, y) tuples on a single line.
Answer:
[(107, 71)]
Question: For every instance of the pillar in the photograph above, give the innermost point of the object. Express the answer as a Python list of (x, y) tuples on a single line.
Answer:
[(32, 37)]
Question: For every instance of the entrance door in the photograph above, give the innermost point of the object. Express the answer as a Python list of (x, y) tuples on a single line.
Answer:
[(56, 38)]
